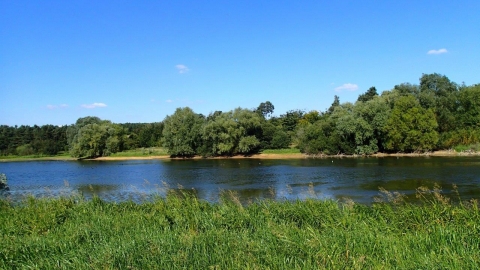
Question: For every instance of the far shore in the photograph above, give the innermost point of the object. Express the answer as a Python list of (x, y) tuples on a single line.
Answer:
[(442, 153)]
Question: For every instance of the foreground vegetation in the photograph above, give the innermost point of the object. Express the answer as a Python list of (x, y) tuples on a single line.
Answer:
[(181, 232)]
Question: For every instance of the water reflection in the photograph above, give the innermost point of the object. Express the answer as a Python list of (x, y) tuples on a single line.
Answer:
[(251, 179)]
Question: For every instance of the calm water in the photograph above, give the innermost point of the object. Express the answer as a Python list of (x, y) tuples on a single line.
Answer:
[(252, 179)]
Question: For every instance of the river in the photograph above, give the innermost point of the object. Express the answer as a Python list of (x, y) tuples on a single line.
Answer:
[(358, 179)]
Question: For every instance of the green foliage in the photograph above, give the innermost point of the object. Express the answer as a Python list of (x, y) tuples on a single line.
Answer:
[(3, 181), (25, 150), (468, 111), (410, 128), (27, 140), (468, 148), (437, 92), (183, 232), (248, 145), (141, 152), (291, 119), (310, 118), (348, 129), (182, 132), (265, 109), (319, 138), (452, 139), (335, 103), (222, 135), (369, 95), (231, 133), (282, 151), (372, 116), (280, 140), (135, 135), (94, 138)]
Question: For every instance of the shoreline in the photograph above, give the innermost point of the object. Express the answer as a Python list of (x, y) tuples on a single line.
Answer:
[(441, 153)]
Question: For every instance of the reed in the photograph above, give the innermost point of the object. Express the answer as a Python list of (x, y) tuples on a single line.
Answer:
[(181, 231)]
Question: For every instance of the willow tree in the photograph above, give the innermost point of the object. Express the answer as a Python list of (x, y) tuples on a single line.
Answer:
[(95, 140), (233, 132)]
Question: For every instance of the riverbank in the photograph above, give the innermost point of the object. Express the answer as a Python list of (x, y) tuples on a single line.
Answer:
[(442, 153), (182, 232), (53, 158)]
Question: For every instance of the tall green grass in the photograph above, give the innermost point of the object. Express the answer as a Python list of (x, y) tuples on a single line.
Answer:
[(183, 232)]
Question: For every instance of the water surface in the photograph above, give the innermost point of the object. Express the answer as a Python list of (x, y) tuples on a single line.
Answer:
[(251, 179)]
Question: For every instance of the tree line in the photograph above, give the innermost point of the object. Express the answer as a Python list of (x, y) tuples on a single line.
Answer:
[(435, 114), (86, 138)]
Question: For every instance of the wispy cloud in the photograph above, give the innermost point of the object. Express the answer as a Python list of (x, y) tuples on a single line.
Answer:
[(169, 101), (182, 68), (53, 107), (440, 51), (94, 105), (347, 87)]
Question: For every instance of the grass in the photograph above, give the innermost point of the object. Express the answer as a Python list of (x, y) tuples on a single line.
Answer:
[(142, 152), (472, 147), (281, 151), (61, 155), (182, 232), (139, 152)]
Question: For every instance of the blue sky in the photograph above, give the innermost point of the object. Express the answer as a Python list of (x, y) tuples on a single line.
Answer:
[(136, 61)]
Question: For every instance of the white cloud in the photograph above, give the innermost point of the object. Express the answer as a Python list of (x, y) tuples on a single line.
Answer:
[(53, 107), (94, 105), (347, 87), (440, 51), (169, 101), (182, 68)]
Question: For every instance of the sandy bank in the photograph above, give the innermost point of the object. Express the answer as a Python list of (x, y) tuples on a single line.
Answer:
[(443, 153)]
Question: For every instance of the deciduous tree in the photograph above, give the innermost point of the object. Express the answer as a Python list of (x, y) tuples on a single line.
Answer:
[(182, 132)]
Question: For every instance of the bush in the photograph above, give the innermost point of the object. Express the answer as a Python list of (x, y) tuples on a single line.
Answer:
[(3, 181)]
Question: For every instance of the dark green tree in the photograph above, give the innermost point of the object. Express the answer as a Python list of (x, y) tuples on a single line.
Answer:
[(438, 93), (410, 128), (95, 140), (265, 109), (369, 95), (335, 103), (182, 132)]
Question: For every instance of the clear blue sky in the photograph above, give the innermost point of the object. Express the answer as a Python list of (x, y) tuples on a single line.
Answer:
[(136, 61)]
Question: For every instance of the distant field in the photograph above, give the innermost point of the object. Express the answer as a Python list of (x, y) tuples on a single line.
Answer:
[(142, 152), (62, 155), (281, 151)]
